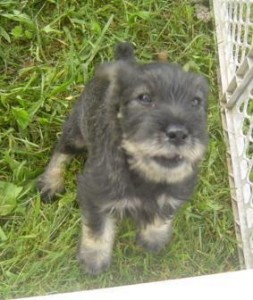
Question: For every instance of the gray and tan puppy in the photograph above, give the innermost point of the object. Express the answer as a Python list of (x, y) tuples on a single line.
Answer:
[(145, 129)]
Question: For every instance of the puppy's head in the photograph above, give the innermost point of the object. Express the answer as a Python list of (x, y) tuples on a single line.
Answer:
[(161, 112)]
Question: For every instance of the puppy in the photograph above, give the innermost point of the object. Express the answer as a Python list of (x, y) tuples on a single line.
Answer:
[(145, 129)]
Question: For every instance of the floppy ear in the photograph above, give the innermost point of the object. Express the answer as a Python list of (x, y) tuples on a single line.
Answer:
[(202, 86), (107, 71), (109, 77), (117, 74), (202, 89)]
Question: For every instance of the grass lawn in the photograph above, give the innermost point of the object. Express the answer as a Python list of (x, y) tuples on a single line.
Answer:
[(48, 50)]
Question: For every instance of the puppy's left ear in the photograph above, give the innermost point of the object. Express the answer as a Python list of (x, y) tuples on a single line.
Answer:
[(201, 85), (107, 75), (107, 72), (116, 74), (110, 77)]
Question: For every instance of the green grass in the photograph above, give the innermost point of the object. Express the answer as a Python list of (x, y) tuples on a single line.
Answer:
[(48, 50)]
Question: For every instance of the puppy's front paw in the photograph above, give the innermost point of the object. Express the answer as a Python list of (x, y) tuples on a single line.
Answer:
[(95, 248), (49, 185), (94, 261), (151, 245), (154, 236)]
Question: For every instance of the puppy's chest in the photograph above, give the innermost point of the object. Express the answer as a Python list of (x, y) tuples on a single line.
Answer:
[(163, 205)]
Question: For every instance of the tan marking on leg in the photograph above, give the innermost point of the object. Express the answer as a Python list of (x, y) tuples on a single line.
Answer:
[(52, 180), (154, 236), (96, 249)]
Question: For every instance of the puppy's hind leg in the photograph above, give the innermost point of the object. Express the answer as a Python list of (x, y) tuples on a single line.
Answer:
[(51, 182)]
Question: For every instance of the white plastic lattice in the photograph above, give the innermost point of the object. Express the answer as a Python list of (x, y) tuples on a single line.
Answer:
[(234, 29)]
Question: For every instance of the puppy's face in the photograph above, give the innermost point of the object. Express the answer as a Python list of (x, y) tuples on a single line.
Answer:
[(163, 119)]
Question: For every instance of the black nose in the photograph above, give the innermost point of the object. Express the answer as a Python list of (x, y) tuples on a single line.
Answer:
[(177, 134)]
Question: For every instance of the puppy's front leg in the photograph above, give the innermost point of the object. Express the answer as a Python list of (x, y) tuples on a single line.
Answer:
[(96, 243), (154, 235)]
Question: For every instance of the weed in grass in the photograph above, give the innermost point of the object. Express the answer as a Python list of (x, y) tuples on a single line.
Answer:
[(48, 49)]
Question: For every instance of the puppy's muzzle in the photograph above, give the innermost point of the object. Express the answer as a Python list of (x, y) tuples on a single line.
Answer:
[(177, 134)]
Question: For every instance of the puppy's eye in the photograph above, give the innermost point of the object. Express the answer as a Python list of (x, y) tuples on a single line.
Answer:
[(144, 99), (196, 102)]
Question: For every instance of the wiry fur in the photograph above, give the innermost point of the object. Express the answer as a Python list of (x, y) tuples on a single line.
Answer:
[(144, 126)]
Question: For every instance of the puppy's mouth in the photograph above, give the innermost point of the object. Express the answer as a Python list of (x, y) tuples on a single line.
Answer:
[(172, 162)]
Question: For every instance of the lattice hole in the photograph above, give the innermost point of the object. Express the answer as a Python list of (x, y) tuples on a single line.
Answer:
[(244, 12), (249, 150), (251, 175), (250, 35), (246, 126), (241, 107), (250, 107)]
